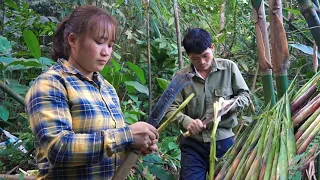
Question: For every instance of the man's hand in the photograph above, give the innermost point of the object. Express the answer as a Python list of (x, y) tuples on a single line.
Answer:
[(144, 135), (196, 126)]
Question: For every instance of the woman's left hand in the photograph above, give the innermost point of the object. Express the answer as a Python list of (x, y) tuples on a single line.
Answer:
[(152, 147)]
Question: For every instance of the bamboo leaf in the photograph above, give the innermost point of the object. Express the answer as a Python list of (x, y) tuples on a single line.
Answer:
[(119, 2), (32, 43), (116, 55)]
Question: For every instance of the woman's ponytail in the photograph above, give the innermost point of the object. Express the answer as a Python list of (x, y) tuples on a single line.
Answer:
[(60, 47)]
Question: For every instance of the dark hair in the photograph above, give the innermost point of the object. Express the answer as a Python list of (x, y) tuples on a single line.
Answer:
[(196, 40), (83, 21)]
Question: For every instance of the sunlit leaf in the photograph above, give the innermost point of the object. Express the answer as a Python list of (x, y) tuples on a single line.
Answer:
[(293, 11), (171, 21), (32, 43), (5, 45), (139, 87)]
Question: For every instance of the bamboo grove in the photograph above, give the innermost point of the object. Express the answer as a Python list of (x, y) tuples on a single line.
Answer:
[(268, 148)]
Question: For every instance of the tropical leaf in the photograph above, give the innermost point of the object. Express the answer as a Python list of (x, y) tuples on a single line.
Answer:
[(5, 46), (4, 113), (303, 48), (32, 43), (139, 72), (139, 87), (162, 83), (116, 65)]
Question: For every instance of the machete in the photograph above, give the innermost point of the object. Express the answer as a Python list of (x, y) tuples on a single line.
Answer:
[(159, 110)]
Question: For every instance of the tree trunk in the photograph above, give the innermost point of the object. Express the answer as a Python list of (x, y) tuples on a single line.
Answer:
[(312, 18), (265, 66), (176, 20), (280, 53)]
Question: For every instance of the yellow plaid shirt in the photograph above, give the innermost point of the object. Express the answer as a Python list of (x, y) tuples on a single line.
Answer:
[(78, 125)]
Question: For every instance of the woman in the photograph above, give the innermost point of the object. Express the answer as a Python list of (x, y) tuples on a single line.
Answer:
[(74, 113)]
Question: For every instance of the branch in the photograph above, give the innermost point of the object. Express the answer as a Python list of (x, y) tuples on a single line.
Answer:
[(13, 94)]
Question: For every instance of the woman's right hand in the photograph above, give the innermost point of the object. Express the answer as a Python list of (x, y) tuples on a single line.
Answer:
[(144, 135)]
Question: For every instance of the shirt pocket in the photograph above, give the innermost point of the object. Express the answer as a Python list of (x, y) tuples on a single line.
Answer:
[(225, 92)]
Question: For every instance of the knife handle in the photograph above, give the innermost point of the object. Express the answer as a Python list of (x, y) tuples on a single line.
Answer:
[(186, 134), (128, 162)]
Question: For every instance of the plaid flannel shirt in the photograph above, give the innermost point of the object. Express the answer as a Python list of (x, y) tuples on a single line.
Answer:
[(78, 125)]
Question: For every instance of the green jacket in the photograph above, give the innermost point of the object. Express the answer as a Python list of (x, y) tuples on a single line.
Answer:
[(224, 80)]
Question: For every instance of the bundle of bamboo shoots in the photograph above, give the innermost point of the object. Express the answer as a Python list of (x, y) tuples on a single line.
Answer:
[(268, 146)]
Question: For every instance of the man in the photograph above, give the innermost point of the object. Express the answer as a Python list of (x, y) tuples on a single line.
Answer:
[(214, 78)]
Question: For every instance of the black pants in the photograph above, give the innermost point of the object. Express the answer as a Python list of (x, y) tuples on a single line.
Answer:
[(195, 157)]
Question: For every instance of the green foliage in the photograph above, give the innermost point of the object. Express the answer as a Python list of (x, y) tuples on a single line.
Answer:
[(32, 43), (25, 47)]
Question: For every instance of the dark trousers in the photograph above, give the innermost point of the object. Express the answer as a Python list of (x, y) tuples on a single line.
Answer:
[(195, 157)]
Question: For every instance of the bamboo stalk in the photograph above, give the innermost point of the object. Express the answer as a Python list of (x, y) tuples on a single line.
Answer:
[(282, 169), (170, 119), (305, 112), (302, 99), (216, 109), (305, 144), (309, 122), (251, 143), (276, 157), (266, 153), (308, 131), (270, 159), (237, 147), (306, 86), (249, 163), (242, 160), (257, 161)]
